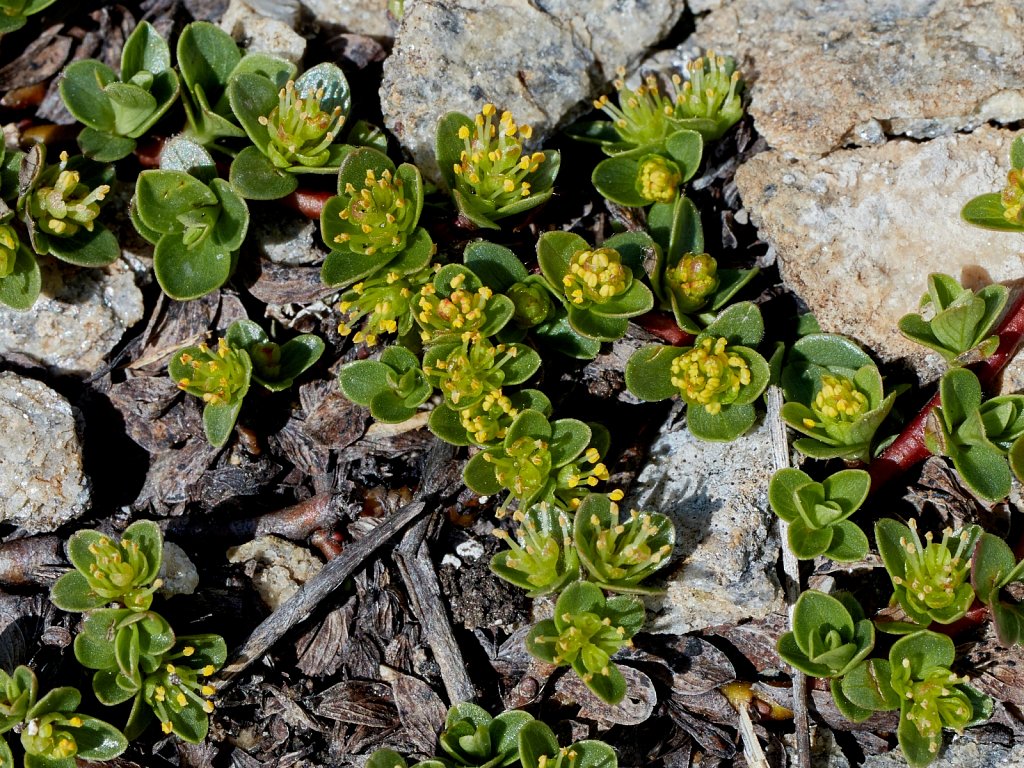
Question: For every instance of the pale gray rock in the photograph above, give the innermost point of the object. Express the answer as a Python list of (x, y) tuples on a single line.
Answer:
[(920, 68), (959, 752), (177, 571), (263, 26), (363, 17), (288, 239), (858, 231), (276, 566), (79, 317), (42, 485), (540, 59), (726, 547)]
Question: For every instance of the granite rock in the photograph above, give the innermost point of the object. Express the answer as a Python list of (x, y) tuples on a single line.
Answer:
[(858, 231), (288, 239), (828, 74), (541, 59), (262, 26), (42, 485), (363, 17), (726, 545), (77, 320), (960, 752)]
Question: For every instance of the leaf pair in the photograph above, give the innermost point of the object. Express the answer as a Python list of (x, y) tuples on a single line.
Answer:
[(961, 320), (834, 396), (392, 387), (474, 739), (650, 174), (600, 288), (817, 513), (978, 435), (993, 568), (117, 111), (830, 635), (685, 279), (196, 221), (719, 377), (222, 377)]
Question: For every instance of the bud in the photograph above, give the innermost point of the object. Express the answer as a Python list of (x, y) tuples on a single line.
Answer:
[(533, 304), (66, 206), (493, 165), (595, 277), (1013, 197), (839, 400), (301, 131), (710, 374), (8, 249), (692, 280), (217, 377), (377, 217), (658, 179)]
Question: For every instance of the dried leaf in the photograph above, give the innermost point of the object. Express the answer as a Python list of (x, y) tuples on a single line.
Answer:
[(635, 708)]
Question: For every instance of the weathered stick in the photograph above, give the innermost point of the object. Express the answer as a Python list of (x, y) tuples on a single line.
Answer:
[(791, 567), (302, 603), (420, 579)]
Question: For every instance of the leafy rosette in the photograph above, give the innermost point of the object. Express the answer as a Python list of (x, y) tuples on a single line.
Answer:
[(686, 280), (830, 635), (960, 321), (472, 369), (931, 579), (372, 224), (817, 513), (473, 739), (485, 164), (619, 554), (109, 571), (993, 568), (719, 377), (834, 396), (586, 631), (392, 387), (600, 288), (118, 110), (538, 748), (542, 557), (977, 434), (295, 127), (274, 366), (196, 221)]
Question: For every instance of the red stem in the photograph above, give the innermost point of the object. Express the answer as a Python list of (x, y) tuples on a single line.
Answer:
[(664, 327), (308, 202), (908, 448)]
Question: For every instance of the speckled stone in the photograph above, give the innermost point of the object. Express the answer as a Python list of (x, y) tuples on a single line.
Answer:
[(266, 26), (363, 17), (276, 566), (858, 231), (543, 60), (42, 485), (726, 547), (829, 73), (79, 317)]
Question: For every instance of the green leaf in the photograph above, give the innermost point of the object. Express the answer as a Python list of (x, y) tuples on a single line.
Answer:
[(984, 469), (233, 222), (358, 162), (868, 686), (479, 475), (848, 487), (987, 211), (144, 51), (615, 178), (180, 153), (162, 196), (206, 56), (132, 107), (449, 146), (636, 300), (686, 148), (20, 289), (254, 177), (252, 96), (849, 543), (554, 250), (557, 335), (86, 249), (71, 592), (782, 490), (569, 438), (677, 229), (185, 273), (386, 758), (64, 699), (722, 427), (649, 372), (496, 266), (806, 542), (219, 421), (847, 708), (537, 741), (6, 758), (146, 534), (82, 90), (741, 324), (104, 147), (592, 325)]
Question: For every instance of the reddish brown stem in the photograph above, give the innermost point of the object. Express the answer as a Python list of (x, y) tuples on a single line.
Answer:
[(308, 202), (976, 615), (909, 449), (664, 327)]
